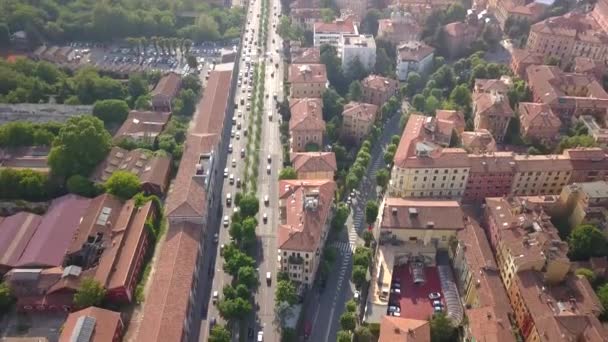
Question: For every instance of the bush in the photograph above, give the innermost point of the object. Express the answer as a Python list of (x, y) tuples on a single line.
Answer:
[(111, 111), (82, 186), (123, 184)]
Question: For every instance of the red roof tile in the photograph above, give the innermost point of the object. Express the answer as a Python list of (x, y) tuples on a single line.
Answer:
[(402, 213), (363, 111), (306, 115), (106, 324), (307, 73), (338, 26), (397, 329), (314, 161), (209, 116), (168, 85), (140, 125)]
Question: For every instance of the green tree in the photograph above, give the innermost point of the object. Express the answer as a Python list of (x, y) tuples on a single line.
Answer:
[(81, 144), (355, 91), (368, 237), (111, 111), (333, 104), (123, 184), (371, 212), (587, 273), (576, 141), (249, 226), (192, 82), (587, 241), (359, 275), (191, 61), (356, 70), (187, 102), (363, 334), (82, 186), (418, 102), (219, 333), (382, 177), (461, 96), (232, 309), (431, 104), (249, 205), (248, 276), (6, 299), (351, 306), (235, 259), (236, 231), (288, 173), (344, 336), (5, 36), (340, 217), (348, 321), (442, 329), (89, 293), (602, 294), (137, 86), (389, 156), (288, 335), (286, 292)]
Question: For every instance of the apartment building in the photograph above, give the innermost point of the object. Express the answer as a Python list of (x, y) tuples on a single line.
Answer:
[(521, 59), (498, 86), (314, 165), (523, 238), (595, 128), (541, 175), (305, 208), (487, 305), (393, 329), (307, 80), (357, 120), (165, 91), (585, 203), (413, 56), (361, 47), (377, 89), (356, 7), (480, 141), (588, 66), (568, 36), (309, 55), (518, 10), (490, 175), (424, 169), (492, 112), (568, 94), (589, 164), (306, 125), (458, 37), (537, 122), (306, 18), (419, 222), (400, 27), (547, 312), (142, 126), (331, 33), (600, 14)]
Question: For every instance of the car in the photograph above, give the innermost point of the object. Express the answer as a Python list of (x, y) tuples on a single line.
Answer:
[(216, 238), (265, 218), (393, 308), (396, 314), (437, 308), (228, 199), (269, 158), (238, 135), (397, 285), (437, 303), (226, 220), (231, 179), (260, 333), (268, 278), (233, 162), (434, 295), (222, 249), (396, 291), (212, 322), (268, 169), (232, 133), (215, 296), (225, 172), (242, 155), (230, 148), (266, 199), (356, 296)]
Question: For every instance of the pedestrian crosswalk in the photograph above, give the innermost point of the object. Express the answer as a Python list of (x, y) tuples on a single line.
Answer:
[(344, 247)]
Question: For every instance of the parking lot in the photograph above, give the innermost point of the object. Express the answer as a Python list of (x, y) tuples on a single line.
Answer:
[(127, 59), (413, 299)]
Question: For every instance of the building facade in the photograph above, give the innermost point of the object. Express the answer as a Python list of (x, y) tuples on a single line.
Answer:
[(413, 56), (358, 47), (307, 80), (306, 125), (377, 89), (357, 120), (331, 33)]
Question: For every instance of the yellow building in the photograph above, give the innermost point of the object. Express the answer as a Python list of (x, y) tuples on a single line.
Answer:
[(585, 203), (540, 175), (357, 120), (314, 165), (307, 80)]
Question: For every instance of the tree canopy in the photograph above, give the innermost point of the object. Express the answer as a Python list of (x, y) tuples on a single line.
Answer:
[(219, 333), (81, 144), (371, 212), (89, 293), (288, 173), (442, 329), (111, 111), (286, 292), (587, 241), (123, 184)]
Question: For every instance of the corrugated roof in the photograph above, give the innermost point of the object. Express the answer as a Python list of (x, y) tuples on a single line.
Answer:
[(106, 323)]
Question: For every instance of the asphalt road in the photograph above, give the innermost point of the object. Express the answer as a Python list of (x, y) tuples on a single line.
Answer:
[(324, 308)]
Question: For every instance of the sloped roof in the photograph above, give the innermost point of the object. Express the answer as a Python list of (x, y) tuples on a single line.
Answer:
[(141, 124), (167, 85), (538, 115), (307, 73), (402, 213), (360, 110), (480, 141), (306, 115), (397, 329), (314, 161), (105, 325)]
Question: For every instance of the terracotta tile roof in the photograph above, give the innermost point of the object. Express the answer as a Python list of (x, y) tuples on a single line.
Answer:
[(28, 157), (492, 163), (306, 115), (379, 83), (187, 197), (492, 105), (305, 206), (489, 324), (578, 26), (167, 303), (310, 55), (526, 56), (555, 162), (314, 161), (105, 325), (50, 241), (414, 51), (23, 339), (168, 85), (480, 141), (142, 125), (209, 117), (151, 168), (360, 110), (548, 84), (397, 329), (538, 115), (585, 65), (388, 28), (583, 158), (307, 73), (454, 116), (459, 29), (500, 86), (417, 148), (15, 234), (402, 213), (553, 312), (338, 26)]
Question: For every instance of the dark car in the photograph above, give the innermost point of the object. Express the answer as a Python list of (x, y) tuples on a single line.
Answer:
[(250, 333)]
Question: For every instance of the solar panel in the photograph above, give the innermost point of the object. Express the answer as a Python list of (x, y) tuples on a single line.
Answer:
[(83, 331)]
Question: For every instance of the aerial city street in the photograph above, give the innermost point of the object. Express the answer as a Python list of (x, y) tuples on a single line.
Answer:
[(304, 170)]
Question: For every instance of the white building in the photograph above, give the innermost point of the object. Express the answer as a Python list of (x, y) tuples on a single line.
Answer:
[(331, 33), (413, 56), (358, 46)]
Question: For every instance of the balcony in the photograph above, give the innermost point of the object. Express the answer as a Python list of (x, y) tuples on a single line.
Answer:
[(295, 260)]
